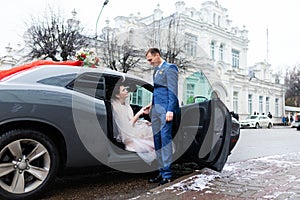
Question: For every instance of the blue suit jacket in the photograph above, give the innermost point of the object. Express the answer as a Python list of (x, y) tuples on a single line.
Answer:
[(165, 80)]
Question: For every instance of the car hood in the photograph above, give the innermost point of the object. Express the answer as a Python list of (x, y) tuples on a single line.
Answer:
[(247, 120)]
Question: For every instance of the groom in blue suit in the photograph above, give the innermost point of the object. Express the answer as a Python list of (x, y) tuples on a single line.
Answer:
[(164, 105)]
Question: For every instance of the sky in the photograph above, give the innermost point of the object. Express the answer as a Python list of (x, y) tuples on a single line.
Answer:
[(273, 25)]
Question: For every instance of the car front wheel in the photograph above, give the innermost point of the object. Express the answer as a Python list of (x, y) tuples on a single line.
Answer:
[(269, 125), (28, 163), (257, 126)]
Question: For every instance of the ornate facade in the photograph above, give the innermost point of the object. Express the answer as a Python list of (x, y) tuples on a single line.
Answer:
[(211, 45), (214, 47)]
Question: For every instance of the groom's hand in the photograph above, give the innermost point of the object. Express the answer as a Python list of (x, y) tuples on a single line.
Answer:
[(169, 116)]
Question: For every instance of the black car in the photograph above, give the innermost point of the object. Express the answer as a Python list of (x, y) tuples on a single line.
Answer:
[(57, 116)]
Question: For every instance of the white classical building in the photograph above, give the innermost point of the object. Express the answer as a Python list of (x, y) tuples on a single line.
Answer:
[(216, 48), (212, 45), (10, 58)]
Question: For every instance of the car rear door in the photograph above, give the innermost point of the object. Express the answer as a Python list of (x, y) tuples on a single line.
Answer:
[(205, 128)]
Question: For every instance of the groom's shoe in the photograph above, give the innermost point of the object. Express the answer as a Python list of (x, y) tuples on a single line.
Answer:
[(156, 179), (164, 181)]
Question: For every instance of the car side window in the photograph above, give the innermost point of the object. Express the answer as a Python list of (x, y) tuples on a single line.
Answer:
[(91, 84), (62, 80)]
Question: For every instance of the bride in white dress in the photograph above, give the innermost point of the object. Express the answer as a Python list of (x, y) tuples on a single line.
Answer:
[(134, 132)]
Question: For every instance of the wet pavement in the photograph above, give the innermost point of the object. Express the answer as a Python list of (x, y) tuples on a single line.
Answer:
[(273, 177)]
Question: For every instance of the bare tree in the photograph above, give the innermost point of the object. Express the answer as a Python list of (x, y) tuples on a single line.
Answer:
[(119, 56), (54, 37), (128, 57), (125, 52), (166, 36), (108, 46), (292, 84)]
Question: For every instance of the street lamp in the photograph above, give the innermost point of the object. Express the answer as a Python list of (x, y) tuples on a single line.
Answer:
[(104, 4)]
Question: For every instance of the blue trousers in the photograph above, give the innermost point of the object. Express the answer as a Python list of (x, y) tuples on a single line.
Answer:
[(162, 131)]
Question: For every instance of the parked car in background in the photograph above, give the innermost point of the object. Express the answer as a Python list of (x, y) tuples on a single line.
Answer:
[(256, 121), (296, 122), (58, 116)]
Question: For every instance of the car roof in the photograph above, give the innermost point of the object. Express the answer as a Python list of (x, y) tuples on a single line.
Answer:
[(258, 116), (37, 70)]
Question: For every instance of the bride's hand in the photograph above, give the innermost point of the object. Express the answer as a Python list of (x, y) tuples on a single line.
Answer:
[(141, 112), (148, 123), (146, 109)]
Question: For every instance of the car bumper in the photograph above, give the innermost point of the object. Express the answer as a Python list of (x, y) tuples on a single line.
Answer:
[(295, 124), (247, 125)]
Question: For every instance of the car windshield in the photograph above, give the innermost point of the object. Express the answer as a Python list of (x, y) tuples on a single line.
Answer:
[(253, 117)]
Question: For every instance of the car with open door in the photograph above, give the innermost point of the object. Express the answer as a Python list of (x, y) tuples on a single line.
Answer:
[(56, 115)]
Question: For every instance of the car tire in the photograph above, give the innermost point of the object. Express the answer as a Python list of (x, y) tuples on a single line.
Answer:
[(269, 125), (257, 126), (31, 162)]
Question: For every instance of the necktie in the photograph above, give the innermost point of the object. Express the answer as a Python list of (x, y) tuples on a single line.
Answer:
[(155, 72)]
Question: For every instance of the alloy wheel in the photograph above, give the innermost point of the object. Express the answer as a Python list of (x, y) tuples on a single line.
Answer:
[(24, 165)]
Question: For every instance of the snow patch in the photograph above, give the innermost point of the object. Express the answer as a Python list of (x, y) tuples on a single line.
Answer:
[(195, 183)]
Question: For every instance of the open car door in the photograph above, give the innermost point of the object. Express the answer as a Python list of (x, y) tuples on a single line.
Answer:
[(202, 128), (204, 131)]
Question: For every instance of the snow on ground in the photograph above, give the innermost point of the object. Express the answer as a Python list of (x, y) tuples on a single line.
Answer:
[(196, 182), (204, 180)]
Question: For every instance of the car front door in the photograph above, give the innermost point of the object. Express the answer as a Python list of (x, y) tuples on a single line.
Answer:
[(205, 126), (264, 121)]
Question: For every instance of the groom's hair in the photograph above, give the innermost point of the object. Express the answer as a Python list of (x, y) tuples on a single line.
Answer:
[(153, 51)]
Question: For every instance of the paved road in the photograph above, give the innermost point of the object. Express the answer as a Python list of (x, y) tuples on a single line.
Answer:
[(255, 143), (264, 165), (268, 171)]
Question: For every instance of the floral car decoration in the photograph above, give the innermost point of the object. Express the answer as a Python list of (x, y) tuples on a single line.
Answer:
[(85, 58), (88, 57)]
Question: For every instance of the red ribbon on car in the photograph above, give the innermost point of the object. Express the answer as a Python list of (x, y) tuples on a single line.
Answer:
[(14, 70)]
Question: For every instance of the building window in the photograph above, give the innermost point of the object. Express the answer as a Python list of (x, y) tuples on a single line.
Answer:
[(190, 88), (214, 18), (140, 96), (221, 52), (196, 85), (260, 103), (131, 35), (250, 104), (235, 102), (212, 50), (219, 20), (235, 58), (267, 105), (191, 44), (136, 97), (276, 107)]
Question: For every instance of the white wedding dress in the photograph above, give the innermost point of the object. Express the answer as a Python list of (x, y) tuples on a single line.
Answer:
[(137, 137)]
